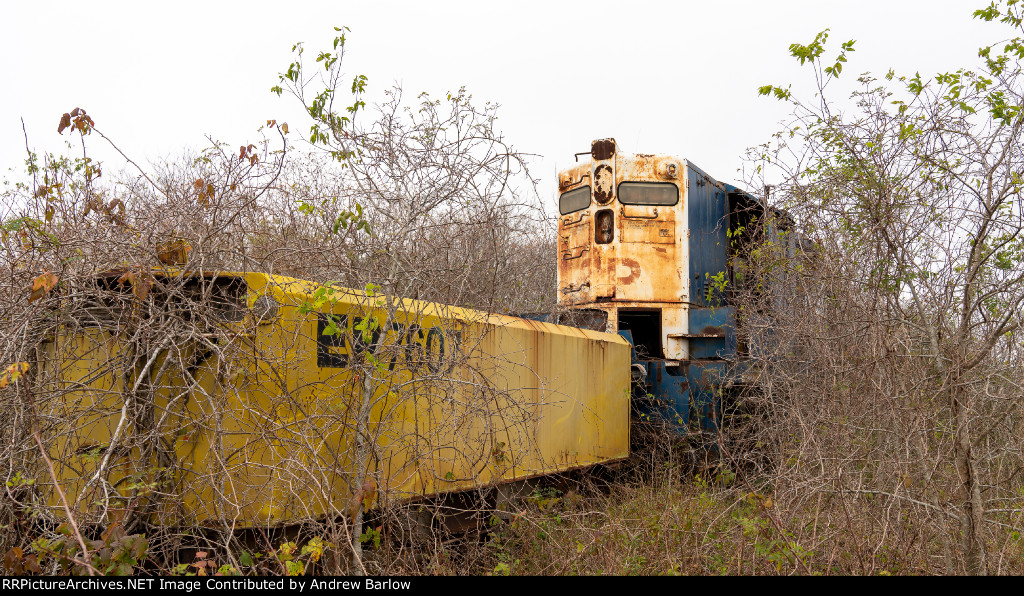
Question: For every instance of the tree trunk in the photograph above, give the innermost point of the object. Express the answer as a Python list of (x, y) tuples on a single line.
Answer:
[(363, 446), (972, 541)]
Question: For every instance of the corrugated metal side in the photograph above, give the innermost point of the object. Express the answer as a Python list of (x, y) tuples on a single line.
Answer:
[(712, 324), (708, 222)]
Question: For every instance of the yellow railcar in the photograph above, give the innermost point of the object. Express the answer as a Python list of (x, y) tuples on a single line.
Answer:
[(295, 401)]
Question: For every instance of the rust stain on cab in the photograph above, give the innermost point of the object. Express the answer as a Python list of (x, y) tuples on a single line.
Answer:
[(604, 184), (634, 271), (602, 149), (650, 250)]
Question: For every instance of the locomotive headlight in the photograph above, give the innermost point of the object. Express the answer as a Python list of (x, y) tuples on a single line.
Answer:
[(638, 372), (604, 231)]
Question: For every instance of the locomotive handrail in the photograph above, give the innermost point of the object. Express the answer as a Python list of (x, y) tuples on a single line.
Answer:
[(622, 213), (567, 258), (565, 184), (571, 288), (568, 221)]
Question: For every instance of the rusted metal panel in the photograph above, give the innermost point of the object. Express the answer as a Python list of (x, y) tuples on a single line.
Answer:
[(602, 271), (647, 229), (264, 431), (602, 149), (576, 234), (575, 257), (643, 258)]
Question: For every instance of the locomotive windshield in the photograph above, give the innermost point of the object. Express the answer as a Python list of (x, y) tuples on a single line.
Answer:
[(648, 193), (574, 200)]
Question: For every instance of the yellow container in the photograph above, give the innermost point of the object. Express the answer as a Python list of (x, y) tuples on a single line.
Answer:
[(291, 401)]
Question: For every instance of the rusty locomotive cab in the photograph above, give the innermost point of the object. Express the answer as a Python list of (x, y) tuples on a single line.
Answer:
[(650, 242)]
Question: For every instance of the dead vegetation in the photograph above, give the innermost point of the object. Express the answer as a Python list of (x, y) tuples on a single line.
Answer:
[(89, 261), (882, 437)]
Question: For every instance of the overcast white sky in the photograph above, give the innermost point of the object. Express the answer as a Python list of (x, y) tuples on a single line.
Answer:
[(668, 77)]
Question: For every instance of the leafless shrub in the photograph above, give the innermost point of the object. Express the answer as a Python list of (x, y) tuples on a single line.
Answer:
[(426, 205), (888, 357)]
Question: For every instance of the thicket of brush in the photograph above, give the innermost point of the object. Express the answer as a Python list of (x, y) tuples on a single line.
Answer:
[(882, 435)]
